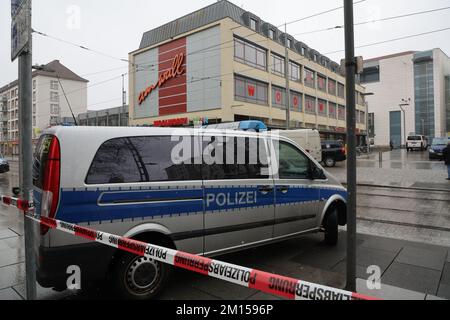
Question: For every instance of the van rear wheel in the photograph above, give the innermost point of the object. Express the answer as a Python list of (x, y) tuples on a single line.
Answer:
[(331, 229), (138, 278)]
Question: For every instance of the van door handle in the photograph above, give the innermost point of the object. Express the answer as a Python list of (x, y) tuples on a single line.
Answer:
[(283, 189), (265, 189)]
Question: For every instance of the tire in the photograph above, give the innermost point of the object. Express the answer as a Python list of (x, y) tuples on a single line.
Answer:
[(331, 229), (138, 278), (330, 162)]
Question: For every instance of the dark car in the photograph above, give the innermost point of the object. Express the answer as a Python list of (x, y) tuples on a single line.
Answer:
[(4, 165), (437, 148), (333, 152)]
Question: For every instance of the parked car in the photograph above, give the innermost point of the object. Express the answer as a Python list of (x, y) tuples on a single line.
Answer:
[(125, 181), (416, 142), (333, 152), (438, 145), (4, 164)]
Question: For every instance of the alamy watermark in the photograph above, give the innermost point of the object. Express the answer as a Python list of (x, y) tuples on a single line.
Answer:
[(74, 280), (374, 280), (73, 21), (225, 147)]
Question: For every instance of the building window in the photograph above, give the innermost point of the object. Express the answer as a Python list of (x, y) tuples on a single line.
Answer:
[(278, 97), (34, 121), (54, 96), (295, 72), (371, 74), (34, 107), (310, 105), (54, 109), (331, 87), (253, 24), (341, 91), (250, 54), (34, 96), (332, 112), (252, 91), (271, 34), (322, 83), (53, 121), (34, 84), (362, 116), (278, 65), (341, 113), (310, 78), (289, 43), (54, 85), (296, 101), (322, 107)]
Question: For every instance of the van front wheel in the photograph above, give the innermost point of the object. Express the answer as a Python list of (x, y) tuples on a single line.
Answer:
[(138, 278), (331, 229)]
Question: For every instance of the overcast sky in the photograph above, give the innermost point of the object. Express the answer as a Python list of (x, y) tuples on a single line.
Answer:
[(116, 27)]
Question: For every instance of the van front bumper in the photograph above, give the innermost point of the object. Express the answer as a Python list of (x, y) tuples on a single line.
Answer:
[(52, 263)]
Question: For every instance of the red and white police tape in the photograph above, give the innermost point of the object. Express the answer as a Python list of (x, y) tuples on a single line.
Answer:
[(266, 282)]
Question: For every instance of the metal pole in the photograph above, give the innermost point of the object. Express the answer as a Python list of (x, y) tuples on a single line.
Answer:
[(122, 110), (286, 71), (404, 122), (367, 128), (26, 156), (350, 65)]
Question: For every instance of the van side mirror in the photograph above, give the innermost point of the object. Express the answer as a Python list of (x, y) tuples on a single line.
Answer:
[(317, 173)]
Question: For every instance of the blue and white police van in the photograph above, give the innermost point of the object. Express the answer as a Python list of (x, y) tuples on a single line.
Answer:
[(206, 192)]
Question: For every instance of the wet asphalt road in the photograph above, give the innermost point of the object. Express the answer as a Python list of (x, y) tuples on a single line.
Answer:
[(414, 215)]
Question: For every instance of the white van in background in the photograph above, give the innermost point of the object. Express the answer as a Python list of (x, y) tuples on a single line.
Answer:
[(308, 139), (417, 141)]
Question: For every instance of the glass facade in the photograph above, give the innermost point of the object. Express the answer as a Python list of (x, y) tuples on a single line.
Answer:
[(424, 95)]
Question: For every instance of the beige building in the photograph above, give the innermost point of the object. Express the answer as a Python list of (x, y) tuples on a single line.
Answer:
[(224, 64)]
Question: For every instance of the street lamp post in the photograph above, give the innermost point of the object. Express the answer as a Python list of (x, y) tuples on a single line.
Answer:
[(367, 118), (402, 105)]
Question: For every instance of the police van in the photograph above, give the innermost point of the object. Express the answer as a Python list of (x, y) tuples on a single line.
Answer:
[(205, 192)]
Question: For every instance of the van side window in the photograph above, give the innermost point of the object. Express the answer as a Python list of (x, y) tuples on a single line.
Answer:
[(235, 158), (139, 159), (293, 163)]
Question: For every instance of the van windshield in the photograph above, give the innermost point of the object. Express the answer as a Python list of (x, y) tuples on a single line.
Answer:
[(414, 138)]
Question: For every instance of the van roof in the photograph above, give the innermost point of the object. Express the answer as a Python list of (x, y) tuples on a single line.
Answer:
[(106, 133)]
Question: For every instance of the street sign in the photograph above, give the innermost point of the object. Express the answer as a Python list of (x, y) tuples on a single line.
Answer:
[(20, 26)]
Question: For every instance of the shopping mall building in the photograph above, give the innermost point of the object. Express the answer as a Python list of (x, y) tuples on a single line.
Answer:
[(223, 64)]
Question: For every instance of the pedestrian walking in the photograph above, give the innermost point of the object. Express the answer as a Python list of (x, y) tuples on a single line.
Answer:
[(391, 144), (446, 153)]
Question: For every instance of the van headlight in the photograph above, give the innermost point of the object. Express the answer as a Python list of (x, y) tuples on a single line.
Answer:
[(432, 151)]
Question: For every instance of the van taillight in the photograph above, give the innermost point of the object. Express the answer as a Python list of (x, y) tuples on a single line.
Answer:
[(51, 182)]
